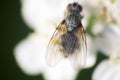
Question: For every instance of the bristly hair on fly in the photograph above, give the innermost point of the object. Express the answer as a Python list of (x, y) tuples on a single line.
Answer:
[(69, 39)]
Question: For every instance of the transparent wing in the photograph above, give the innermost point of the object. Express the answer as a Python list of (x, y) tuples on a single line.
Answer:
[(54, 51), (78, 58)]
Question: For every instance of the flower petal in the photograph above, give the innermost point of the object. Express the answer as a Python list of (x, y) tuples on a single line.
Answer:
[(30, 56), (91, 52), (107, 70), (108, 41)]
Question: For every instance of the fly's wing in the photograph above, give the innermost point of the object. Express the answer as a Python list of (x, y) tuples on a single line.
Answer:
[(54, 50), (78, 58)]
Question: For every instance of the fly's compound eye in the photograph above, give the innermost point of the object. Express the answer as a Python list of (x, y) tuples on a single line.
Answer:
[(74, 4), (69, 6), (77, 7), (80, 8)]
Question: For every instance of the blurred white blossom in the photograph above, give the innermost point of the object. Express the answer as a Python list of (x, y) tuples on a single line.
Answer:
[(107, 70), (30, 55), (106, 29), (108, 10), (112, 10), (108, 40), (43, 16)]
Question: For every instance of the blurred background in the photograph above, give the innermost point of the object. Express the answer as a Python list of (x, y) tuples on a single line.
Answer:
[(13, 30)]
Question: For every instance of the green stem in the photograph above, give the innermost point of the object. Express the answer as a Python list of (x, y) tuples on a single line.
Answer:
[(91, 21)]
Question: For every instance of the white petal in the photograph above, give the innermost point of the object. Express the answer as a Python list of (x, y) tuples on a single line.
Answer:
[(38, 14), (91, 53), (113, 9), (30, 56), (107, 70), (98, 27), (63, 71), (108, 41)]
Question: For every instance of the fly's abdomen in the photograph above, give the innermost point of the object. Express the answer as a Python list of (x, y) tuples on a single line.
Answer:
[(69, 43)]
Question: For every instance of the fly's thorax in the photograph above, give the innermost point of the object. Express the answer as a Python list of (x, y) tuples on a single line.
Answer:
[(72, 20)]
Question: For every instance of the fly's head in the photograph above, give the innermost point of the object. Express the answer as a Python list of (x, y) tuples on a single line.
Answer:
[(73, 8)]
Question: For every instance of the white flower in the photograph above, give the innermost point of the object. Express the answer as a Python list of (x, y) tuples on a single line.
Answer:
[(113, 11), (106, 27), (107, 70), (30, 55), (108, 40), (43, 16), (31, 58)]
